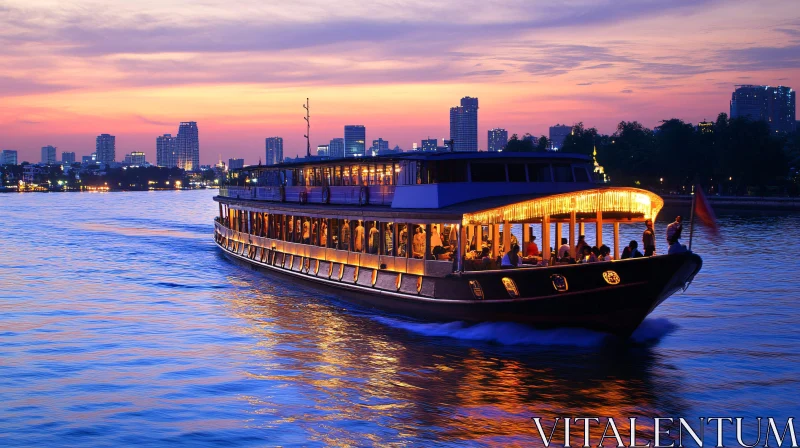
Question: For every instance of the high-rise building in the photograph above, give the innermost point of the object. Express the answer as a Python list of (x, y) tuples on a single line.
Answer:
[(336, 148), (8, 157), (166, 151), (48, 155), (274, 150), (322, 150), (558, 134), (67, 157), (136, 158), (105, 148), (87, 160), (187, 145), (498, 139), (464, 125), (379, 146), (775, 105), (355, 137), (235, 164), (429, 145)]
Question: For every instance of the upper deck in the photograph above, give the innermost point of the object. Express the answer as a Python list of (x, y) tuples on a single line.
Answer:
[(413, 180)]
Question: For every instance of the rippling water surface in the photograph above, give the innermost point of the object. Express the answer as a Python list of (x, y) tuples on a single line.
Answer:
[(121, 324)]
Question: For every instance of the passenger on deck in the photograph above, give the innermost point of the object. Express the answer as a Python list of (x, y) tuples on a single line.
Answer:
[(388, 239), (631, 251), (605, 253), (306, 233), (586, 255), (581, 244), (563, 249), (532, 250), (674, 231), (403, 242), (649, 239), (676, 247), (374, 239), (486, 258), (511, 258)]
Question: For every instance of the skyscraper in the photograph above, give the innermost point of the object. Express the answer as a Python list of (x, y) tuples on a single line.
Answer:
[(48, 155), (166, 152), (67, 157), (105, 148), (379, 146), (354, 140), (274, 150), (8, 157), (336, 148), (187, 146), (429, 145), (322, 150), (558, 134), (775, 105), (498, 139), (464, 125)]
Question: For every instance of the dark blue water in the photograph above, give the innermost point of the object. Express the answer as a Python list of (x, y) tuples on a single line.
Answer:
[(121, 324)]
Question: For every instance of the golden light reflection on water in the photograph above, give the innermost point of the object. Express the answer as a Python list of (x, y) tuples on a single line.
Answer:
[(354, 369)]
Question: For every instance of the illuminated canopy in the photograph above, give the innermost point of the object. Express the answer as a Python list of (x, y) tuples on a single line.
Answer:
[(619, 203)]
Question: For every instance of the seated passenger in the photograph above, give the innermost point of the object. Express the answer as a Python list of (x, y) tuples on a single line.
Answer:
[(605, 254), (587, 256), (486, 259), (563, 249), (676, 248), (511, 258), (532, 250), (631, 251)]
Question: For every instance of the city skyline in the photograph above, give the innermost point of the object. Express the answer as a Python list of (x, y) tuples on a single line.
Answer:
[(532, 65)]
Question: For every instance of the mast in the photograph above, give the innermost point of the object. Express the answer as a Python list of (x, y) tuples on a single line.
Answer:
[(308, 129)]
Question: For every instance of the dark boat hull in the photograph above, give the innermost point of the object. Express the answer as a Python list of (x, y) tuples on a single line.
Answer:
[(589, 301)]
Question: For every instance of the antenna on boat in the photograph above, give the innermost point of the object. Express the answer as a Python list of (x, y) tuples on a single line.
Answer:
[(308, 129)]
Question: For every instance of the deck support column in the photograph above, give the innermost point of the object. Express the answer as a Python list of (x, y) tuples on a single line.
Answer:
[(546, 238), (581, 229), (506, 236), (572, 234), (461, 234), (525, 237), (427, 252), (495, 240), (616, 240), (557, 242), (479, 237), (599, 228)]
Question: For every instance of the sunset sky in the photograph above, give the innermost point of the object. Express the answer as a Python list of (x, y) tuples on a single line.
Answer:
[(70, 70)]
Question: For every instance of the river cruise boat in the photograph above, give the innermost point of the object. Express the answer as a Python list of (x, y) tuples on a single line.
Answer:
[(423, 235)]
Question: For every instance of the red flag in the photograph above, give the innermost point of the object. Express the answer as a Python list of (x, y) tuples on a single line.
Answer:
[(703, 211)]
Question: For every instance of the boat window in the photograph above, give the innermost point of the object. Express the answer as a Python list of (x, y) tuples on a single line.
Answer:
[(488, 172), (290, 229), (516, 172), (539, 172), (418, 243), (337, 176), (346, 235), (388, 238), (323, 232), (580, 174), (562, 172), (402, 241), (359, 236), (373, 237)]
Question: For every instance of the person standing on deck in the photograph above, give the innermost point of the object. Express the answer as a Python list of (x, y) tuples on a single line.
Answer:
[(649, 239), (579, 247), (674, 231), (374, 239)]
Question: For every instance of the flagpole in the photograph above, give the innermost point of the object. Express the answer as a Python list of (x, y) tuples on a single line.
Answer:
[(691, 217)]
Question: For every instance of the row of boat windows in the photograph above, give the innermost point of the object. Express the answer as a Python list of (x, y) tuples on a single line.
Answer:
[(413, 173), (353, 235)]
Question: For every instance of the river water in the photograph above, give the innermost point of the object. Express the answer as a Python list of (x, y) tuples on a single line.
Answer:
[(121, 324)]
